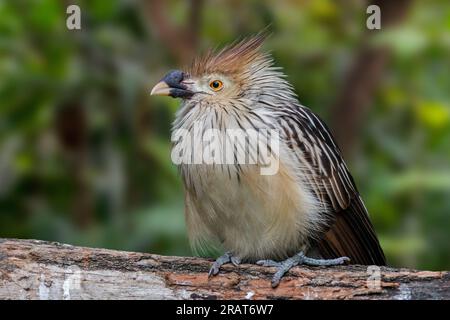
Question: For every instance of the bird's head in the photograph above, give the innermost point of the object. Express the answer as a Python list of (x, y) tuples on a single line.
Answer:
[(238, 71)]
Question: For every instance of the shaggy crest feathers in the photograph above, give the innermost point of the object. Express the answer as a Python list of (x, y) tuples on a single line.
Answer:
[(232, 59)]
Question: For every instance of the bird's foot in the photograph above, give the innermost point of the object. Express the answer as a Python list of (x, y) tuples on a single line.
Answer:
[(298, 259), (220, 261)]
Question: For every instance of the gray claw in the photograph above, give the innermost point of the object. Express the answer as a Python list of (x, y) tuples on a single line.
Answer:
[(213, 271), (220, 261), (268, 263), (284, 266), (325, 262), (235, 261)]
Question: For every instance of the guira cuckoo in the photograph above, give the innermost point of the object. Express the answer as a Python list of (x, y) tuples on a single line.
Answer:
[(308, 212)]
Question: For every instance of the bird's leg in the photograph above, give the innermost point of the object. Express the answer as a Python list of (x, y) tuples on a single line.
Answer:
[(298, 259), (224, 259)]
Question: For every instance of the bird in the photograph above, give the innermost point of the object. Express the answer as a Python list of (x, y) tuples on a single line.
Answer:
[(309, 212)]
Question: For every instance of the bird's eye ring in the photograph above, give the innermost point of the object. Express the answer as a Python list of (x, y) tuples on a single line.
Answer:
[(216, 85)]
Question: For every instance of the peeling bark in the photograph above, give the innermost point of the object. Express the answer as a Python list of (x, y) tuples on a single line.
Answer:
[(31, 269)]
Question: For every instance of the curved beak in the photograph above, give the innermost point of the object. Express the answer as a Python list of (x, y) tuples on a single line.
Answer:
[(173, 85), (161, 89)]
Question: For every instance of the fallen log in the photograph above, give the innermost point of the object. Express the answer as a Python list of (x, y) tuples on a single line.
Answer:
[(32, 269)]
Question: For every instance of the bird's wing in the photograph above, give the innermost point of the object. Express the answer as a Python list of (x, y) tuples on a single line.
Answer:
[(350, 232)]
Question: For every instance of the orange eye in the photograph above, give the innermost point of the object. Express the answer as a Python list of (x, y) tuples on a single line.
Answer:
[(216, 85)]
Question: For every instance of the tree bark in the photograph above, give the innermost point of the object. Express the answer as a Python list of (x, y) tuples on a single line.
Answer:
[(31, 269)]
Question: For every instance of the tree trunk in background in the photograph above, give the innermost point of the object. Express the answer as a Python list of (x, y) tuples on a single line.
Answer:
[(72, 133), (181, 41), (31, 269), (363, 77)]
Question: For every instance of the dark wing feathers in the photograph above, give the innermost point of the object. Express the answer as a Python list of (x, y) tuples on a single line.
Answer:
[(352, 235), (350, 232)]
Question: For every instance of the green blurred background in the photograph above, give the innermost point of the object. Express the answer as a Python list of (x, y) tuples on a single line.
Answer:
[(84, 149)]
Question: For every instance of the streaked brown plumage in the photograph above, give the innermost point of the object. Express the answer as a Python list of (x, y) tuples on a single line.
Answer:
[(310, 205)]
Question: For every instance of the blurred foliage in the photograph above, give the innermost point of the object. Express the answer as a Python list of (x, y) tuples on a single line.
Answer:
[(85, 153)]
